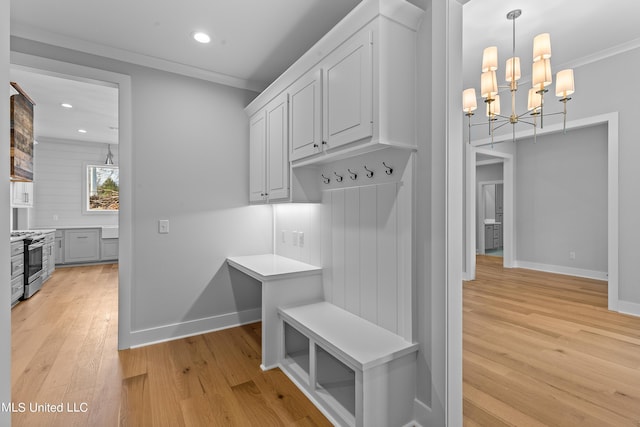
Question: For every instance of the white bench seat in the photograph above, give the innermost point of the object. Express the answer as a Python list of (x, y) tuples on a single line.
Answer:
[(383, 363)]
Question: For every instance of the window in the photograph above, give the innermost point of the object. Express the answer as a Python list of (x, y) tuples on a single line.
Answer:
[(102, 188)]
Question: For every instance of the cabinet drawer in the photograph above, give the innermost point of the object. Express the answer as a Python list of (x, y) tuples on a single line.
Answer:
[(496, 232), (17, 248), (17, 265)]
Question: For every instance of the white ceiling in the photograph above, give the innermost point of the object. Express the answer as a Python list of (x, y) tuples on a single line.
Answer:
[(254, 41), (95, 107)]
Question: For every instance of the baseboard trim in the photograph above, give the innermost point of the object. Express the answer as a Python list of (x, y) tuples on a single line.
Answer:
[(561, 269), (189, 328), (421, 413), (628, 307)]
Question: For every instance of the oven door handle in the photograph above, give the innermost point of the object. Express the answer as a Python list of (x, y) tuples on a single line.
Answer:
[(35, 246)]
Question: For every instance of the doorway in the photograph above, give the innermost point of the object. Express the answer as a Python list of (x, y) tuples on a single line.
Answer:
[(124, 129), (510, 237)]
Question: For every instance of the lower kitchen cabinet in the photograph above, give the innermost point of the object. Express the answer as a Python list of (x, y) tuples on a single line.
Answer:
[(59, 247), (109, 249), (81, 245)]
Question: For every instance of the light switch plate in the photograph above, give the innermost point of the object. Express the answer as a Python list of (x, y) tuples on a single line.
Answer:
[(294, 238), (163, 226), (301, 239)]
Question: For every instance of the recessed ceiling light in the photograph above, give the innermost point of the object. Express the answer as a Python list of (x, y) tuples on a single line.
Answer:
[(65, 105), (201, 37), (82, 130)]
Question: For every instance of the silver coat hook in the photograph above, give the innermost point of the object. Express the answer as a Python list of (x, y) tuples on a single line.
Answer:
[(389, 170), (369, 172), (325, 179), (352, 175), (339, 178)]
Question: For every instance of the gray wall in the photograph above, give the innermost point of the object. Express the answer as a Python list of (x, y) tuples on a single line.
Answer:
[(190, 165), (5, 270), (616, 98), (59, 170), (561, 199)]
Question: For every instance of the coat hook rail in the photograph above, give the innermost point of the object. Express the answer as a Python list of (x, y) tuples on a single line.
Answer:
[(352, 175), (369, 172), (339, 178), (389, 170)]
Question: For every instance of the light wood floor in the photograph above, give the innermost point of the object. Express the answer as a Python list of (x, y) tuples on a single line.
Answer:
[(64, 343), (542, 350)]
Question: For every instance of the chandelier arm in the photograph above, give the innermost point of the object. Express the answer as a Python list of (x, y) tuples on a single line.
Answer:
[(495, 128)]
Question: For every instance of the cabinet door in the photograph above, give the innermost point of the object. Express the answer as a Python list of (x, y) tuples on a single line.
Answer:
[(305, 115), (109, 250), (257, 159), (348, 92), (488, 236), (499, 198), (59, 250), (82, 245), (277, 149), (21, 194)]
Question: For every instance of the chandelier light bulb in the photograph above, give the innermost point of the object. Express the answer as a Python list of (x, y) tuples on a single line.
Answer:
[(490, 59), (541, 47), (469, 102), (564, 83), (493, 107), (513, 67), (534, 101), (541, 73), (488, 84)]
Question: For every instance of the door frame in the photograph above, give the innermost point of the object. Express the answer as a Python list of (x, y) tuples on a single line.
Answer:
[(125, 157), (613, 237)]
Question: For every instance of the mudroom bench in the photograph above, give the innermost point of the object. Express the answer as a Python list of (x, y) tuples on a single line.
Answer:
[(358, 373)]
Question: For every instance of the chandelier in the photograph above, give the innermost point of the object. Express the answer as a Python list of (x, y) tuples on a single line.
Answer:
[(541, 79)]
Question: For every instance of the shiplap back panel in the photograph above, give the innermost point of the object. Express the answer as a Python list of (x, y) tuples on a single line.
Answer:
[(367, 252), (59, 171)]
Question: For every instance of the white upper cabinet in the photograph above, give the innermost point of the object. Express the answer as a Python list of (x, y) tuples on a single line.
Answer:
[(348, 92), (269, 153), (305, 115), (278, 149), (21, 194), (353, 92), (257, 158)]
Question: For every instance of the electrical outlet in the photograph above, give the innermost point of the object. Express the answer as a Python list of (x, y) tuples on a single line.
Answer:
[(163, 226), (572, 255), (301, 239), (294, 238), (55, 217)]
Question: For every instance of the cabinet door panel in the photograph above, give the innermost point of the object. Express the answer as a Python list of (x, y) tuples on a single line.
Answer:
[(348, 92), (257, 159), (278, 149), (305, 116), (82, 245)]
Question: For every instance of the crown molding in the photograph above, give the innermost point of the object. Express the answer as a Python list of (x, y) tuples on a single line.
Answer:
[(55, 39)]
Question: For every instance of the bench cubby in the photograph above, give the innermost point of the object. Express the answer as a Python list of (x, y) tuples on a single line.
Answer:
[(358, 373)]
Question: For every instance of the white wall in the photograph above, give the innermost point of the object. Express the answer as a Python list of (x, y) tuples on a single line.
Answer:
[(190, 166), (5, 270), (59, 171), (292, 219), (561, 199)]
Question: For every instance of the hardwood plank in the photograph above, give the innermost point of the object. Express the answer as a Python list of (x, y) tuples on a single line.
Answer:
[(64, 349), (542, 349)]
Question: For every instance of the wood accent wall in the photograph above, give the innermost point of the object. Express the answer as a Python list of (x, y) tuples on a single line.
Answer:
[(367, 250)]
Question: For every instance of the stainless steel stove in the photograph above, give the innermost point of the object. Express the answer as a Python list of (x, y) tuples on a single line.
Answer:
[(33, 248)]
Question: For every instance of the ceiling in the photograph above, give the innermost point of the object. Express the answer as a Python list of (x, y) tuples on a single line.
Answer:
[(254, 41)]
